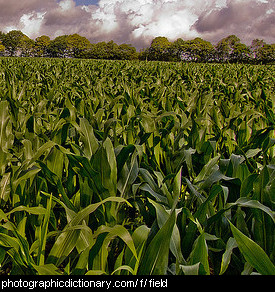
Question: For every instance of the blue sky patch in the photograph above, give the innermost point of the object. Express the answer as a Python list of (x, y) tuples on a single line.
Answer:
[(86, 2)]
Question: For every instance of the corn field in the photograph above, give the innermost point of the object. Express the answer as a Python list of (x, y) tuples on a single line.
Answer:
[(136, 168)]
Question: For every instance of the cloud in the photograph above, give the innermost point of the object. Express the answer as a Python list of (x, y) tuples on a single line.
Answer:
[(24, 15), (32, 22), (139, 21), (13, 10), (248, 19)]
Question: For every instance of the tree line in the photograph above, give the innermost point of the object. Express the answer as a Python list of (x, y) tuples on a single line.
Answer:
[(229, 49)]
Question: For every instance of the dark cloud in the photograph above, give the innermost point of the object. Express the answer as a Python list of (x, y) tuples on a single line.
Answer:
[(14, 9), (265, 27), (13, 13), (248, 19), (63, 19)]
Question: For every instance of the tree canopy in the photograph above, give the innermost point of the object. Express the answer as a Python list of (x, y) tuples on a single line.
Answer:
[(229, 49)]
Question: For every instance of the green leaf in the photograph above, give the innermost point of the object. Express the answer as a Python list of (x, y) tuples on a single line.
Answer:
[(88, 138), (110, 183), (252, 152), (155, 260), (244, 202), (47, 270), (123, 268), (207, 170), (95, 273), (55, 162), (28, 175), (45, 147), (162, 217), (253, 253), (123, 156), (6, 136), (231, 244), (247, 185), (5, 187), (121, 232), (55, 180), (139, 236), (30, 210), (199, 253), (177, 184), (104, 163), (192, 270), (43, 231), (67, 240), (128, 176), (14, 245)]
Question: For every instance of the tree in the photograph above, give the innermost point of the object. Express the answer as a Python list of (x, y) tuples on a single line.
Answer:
[(98, 51), (58, 47), (2, 36), (17, 44), (26, 47), (255, 48), (78, 46), (204, 50), (176, 49), (126, 52), (103, 50), (111, 50), (262, 52), (12, 42), (266, 54), (160, 49), (2, 47), (143, 54), (197, 50), (225, 47), (41, 46), (229, 49), (240, 53)]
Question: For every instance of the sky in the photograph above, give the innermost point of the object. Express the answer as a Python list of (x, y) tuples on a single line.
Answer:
[(139, 21)]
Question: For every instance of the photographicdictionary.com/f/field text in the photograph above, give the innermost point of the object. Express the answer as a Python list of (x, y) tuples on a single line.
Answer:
[(31, 284)]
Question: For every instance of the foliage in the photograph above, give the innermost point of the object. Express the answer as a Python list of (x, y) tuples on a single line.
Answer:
[(41, 46), (159, 49), (136, 168), (229, 49), (2, 48), (13, 41), (196, 50)]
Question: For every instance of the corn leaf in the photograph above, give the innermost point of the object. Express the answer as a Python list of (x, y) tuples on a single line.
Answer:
[(231, 244), (155, 260), (253, 253), (67, 240), (199, 253)]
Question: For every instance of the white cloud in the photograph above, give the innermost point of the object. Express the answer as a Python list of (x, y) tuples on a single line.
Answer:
[(9, 28), (66, 4), (31, 23), (143, 20)]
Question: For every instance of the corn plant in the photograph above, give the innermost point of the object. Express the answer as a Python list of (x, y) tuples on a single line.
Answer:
[(136, 168)]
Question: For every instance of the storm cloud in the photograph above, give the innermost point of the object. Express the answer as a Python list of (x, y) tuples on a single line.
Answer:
[(139, 21)]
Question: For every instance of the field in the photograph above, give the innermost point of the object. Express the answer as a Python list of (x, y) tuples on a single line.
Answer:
[(136, 168)]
